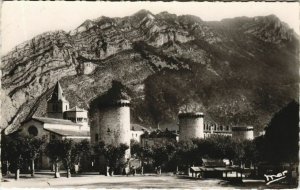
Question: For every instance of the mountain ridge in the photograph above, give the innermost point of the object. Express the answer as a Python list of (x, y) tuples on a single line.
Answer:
[(228, 70)]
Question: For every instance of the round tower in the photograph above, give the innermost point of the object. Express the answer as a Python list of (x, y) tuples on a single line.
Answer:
[(114, 124), (191, 125), (243, 133)]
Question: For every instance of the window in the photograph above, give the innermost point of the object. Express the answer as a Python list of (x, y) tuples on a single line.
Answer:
[(32, 130), (96, 137)]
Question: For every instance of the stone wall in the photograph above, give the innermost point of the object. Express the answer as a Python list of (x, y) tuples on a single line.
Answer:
[(191, 125), (243, 133)]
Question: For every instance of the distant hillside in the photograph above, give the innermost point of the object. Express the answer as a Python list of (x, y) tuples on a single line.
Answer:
[(237, 71)]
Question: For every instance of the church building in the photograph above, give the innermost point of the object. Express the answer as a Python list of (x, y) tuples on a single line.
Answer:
[(61, 123)]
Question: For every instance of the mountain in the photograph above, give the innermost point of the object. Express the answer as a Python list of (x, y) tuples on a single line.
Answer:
[(237, 71)]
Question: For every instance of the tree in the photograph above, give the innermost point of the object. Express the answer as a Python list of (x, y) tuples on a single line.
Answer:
[(54, 151), (136, 149), (4, 153), (33, 149), (186, 154), (282, 135), (219, 147), (13, 148), (81, 151), (162, 154), (114, 155), (67, 146), (66, 151)]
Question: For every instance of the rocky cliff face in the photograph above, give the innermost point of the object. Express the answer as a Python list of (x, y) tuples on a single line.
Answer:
[(237, 71)]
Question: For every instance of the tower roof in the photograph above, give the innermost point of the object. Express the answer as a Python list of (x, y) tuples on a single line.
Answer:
[(57, 94)]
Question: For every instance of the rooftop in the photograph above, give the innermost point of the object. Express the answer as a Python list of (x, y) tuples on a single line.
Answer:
[(137, 127), (55, 121), (70, 133)]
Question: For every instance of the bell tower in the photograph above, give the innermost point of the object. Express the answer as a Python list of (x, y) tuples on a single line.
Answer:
[(57, 104)]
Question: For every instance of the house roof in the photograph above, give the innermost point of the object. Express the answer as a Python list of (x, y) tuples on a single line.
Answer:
[(137, 127), (76, 109), (54, 121), (213, 163), (69, 132)]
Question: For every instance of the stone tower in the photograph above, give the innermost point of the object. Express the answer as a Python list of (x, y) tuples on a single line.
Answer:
[(243, 133), (113, 128), (191, 125), (114, 124), (57, 104), (110, 120)]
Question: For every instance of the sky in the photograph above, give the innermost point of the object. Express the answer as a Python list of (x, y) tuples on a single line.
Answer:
[(21, 21)]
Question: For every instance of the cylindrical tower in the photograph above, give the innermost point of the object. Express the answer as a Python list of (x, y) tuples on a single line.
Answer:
[(191, 125), (114, 124), (243, 133)]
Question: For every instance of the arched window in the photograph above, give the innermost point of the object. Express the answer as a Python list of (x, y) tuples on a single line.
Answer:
[(32, 130)]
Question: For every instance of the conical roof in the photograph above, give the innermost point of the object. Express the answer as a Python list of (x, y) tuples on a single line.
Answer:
[(57, 94)]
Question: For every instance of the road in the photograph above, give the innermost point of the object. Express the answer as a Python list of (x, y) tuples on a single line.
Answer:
[(46, 180)]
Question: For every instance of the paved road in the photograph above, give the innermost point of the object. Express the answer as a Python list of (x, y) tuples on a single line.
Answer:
[(136, 182)]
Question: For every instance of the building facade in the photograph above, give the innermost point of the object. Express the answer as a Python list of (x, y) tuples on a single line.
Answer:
[(211, 129), (137, 131)]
